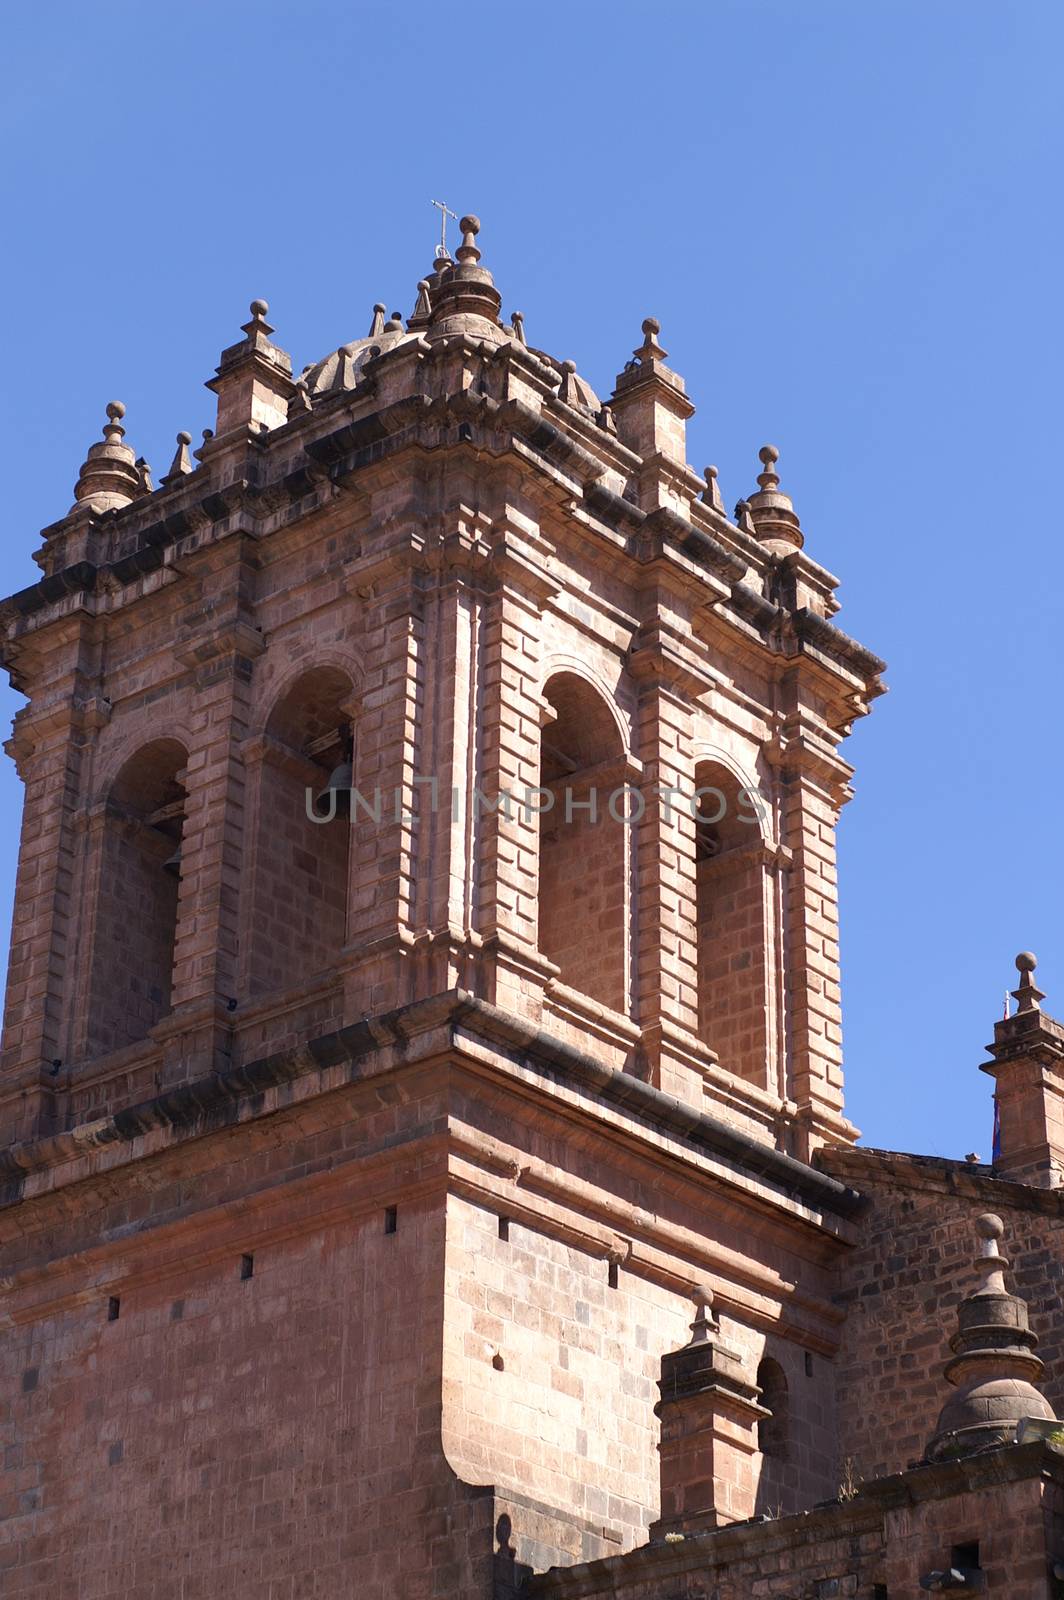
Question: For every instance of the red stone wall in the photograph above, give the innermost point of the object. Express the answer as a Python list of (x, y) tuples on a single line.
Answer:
[(264, 1432)]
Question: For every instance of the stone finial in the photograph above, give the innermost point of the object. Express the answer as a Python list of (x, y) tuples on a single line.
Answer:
[(768, 477), (376, 327), (1028, 996), (772, 514), (300, 401), (394, 323), (144, 476), (109, 477), (705, 1324), (650, 349), (181, 465), (422, 308), (569, 393), (994, 1367), (258, 324), (711, 494), (518, 321), (467, 253), (743, 517), (605, 420)]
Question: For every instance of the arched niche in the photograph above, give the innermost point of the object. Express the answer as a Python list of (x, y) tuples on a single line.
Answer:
[(583, 843), (734, 924), (138, 873), (297, 910)]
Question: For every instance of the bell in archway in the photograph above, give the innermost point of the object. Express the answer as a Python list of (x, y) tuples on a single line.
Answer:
[(335, 799)]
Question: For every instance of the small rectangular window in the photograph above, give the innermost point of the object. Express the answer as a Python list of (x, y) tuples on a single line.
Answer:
[(391, 1219), (114, 1306), (247, 1268)]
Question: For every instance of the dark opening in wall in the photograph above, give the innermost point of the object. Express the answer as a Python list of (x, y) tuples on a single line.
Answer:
[(504, 1227), (114, 1308), (772, 1431), (391, 1219), (247, 1268)]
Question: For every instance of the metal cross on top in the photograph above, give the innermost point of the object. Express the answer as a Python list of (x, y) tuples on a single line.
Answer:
[(445, 212)]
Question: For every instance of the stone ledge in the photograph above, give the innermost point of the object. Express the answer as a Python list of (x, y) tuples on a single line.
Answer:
[(214, 1101)]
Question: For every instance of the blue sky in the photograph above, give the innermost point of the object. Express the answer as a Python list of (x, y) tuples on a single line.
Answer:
[(845, 214)]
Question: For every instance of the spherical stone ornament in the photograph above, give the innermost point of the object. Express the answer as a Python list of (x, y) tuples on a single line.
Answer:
[(259, 308), (1025, 961), (989, 1226)]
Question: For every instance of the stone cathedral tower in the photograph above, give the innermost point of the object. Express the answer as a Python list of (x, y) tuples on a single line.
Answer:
[(424, 980)]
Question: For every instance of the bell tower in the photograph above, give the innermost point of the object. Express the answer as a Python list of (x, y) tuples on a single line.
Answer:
[(425, 946)]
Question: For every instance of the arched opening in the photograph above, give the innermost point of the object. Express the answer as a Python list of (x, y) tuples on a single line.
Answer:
[(136, 914), (298, 905), (733, 925), (582, 844), (773, 1430), (778, 1477)]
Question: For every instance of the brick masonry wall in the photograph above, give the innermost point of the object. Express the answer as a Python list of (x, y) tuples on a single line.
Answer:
[(901, 1290)]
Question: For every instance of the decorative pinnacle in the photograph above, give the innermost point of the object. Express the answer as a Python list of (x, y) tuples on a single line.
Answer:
[(1028, 996), (467, 252), (768, 455), (991, 1263), (258, 323), (181, 465), (518, 321), (650, 349), (112, 428), (705, 1323), (376, 327), (711, 494)]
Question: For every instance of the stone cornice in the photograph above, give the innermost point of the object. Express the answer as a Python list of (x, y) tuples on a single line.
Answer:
[(220, 1099)]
